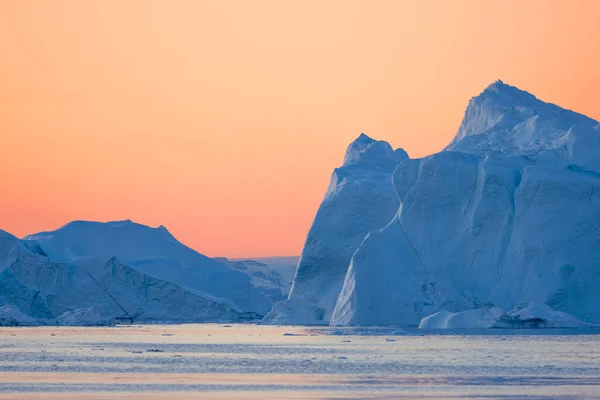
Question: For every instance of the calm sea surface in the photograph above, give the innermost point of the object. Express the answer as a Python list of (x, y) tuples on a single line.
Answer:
[(265, 362)]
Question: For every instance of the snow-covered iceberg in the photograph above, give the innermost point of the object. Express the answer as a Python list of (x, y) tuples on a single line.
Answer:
[(44, 290), (508, 213), (155, 253), (360, 198)]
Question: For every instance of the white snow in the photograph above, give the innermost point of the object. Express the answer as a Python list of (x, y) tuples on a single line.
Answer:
[(359, 198)]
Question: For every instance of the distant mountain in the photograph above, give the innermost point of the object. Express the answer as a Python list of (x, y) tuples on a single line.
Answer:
[(507, 214)]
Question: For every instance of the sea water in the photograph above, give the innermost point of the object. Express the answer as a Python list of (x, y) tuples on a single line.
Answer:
[(259, 362)]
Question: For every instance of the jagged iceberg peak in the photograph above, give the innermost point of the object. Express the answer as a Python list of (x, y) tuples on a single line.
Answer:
[(360, 198), (501, 89), (506, 119), (366, 151)]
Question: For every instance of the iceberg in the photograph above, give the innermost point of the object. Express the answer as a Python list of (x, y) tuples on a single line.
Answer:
[(360, 198), (91, 289), (468, 319), (507, 213), (153, 252), (537, 315), (524, 315)]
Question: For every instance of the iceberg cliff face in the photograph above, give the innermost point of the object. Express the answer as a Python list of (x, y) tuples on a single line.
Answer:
[(359, 198), (508, 213), (153, 252)]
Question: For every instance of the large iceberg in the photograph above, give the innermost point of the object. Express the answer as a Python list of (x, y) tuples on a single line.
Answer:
[(360, 198), (92, 290), (508, 213), (155, 253)]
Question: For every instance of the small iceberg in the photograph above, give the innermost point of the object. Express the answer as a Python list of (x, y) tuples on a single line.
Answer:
[(524, 315)]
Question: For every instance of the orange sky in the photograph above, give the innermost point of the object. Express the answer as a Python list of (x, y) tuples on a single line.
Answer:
[(222, 120)]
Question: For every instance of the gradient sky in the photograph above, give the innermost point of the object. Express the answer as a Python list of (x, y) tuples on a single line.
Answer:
[(222, 120)]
